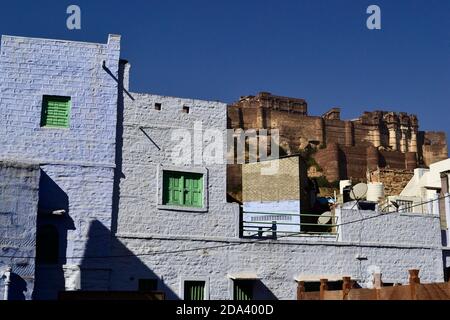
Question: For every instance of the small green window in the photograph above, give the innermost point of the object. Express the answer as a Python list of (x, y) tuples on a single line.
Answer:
[(243, 290), (183, 189), (194, 290), (55, 112)]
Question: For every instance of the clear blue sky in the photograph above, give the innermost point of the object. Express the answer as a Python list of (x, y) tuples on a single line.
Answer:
[(314, 49)]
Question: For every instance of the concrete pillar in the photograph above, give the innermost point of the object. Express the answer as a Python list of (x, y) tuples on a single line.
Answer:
[(346, 287), (300, 290), (393, 138), (323, 288), (414, 280), (377, 283)]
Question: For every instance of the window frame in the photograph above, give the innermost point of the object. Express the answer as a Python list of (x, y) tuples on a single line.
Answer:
[(44, 108), (235, 282), (160, 193), (184, 190), (206, 295)]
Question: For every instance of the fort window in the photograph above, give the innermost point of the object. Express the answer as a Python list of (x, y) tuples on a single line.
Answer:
[(55, 112), (158, 106), (186, 109), (182, 189), (47, 245), (194, 290)]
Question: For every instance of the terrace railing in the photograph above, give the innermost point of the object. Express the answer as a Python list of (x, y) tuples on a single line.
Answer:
[(277, 225)]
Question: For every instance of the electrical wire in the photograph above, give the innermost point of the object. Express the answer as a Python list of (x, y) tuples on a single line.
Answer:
[(224, 245)]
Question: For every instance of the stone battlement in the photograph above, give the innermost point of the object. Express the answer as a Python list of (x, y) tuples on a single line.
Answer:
[(395, 136)]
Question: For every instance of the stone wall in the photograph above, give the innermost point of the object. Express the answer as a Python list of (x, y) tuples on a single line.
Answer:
[(283, 184), (340, 162), (399, 143), (434, 147), (19, 185), (394, 180)]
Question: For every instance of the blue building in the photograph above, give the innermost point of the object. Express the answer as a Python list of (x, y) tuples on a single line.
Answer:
[(58, 111), (93, 198)]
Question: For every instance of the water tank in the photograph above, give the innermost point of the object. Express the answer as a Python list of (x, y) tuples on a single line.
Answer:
[(343, 184), (375, 191)]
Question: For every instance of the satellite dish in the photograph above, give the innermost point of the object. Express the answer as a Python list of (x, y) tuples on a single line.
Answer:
[(324, 218), (359, 191)]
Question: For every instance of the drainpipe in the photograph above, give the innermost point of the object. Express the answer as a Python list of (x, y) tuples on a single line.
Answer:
[(7, 276)]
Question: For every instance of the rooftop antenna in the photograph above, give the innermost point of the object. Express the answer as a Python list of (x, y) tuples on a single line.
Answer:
[(358, 192), (324, 218)]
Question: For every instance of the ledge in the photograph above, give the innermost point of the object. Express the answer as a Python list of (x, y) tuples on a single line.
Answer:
[(273, 242), (180, 208)]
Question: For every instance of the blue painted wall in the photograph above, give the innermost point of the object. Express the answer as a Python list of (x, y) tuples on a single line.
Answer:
[(77, 163), (19, 185)]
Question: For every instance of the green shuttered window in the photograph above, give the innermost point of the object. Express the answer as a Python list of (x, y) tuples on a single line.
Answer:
[(194, 290), (183, 189), (243, 290), (55, 112)]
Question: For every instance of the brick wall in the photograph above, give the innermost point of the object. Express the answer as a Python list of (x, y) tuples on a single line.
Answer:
[(31, 68), (77, 162), (284, 184), (19, 185), (148, 148), (394, 180)]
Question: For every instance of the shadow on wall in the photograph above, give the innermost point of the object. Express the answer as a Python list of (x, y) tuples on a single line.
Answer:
[(118, 174), (262, 292), (446, 259), (53, 223), (55, 271), (134, 274), (343, 174), (17, 287)]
